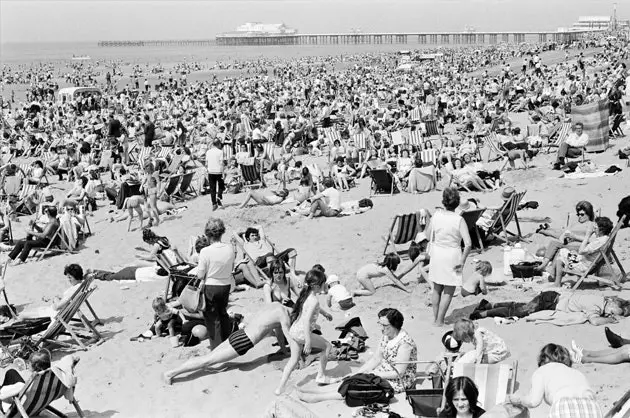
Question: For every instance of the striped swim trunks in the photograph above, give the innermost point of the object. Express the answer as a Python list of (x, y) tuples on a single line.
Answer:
[(240, 342)]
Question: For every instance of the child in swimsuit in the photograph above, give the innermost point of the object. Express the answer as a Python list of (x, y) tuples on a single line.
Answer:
[(151, 186), (166, 315), (477, 283)]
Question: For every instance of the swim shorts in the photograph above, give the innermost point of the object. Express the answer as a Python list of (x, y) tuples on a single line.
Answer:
[(240, 342)]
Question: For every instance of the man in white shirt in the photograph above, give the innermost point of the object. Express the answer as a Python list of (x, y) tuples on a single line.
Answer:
[(573, 146), (214, 163), (328, 202)]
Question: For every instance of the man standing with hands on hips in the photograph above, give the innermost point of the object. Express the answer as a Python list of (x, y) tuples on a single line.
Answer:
[(214, 163)]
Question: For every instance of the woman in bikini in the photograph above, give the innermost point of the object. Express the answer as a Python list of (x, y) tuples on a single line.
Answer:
[(151, 186), (281, 286)]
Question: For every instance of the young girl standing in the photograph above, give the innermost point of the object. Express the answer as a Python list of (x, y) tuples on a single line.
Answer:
[(151, 186), (301, 337), (489, 347)]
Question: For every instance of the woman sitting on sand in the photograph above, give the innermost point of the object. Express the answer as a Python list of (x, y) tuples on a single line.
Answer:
[(281, 286), (560, 386), (394, 360), (371, 271), (571, 237), (303, 323)]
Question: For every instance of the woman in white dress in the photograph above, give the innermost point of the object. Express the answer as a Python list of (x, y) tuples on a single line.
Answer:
[(446, 232)]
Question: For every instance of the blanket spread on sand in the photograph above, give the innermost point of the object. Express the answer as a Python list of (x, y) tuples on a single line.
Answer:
[(573, 176), (558, 318)]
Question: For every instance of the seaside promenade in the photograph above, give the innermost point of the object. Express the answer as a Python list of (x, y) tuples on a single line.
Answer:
[(428, 38)]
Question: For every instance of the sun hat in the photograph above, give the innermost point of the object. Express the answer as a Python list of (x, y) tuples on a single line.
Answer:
[(507, 192), (450, 343), (333, 278)]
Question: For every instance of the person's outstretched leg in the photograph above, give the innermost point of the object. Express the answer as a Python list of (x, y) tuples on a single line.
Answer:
[(447, 296), (329, 395), (221, 354), (248, 196), (611, 356)]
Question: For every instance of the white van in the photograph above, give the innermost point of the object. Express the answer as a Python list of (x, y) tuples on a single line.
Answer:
[(69, 94)]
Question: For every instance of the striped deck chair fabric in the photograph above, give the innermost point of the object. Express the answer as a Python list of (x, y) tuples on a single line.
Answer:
[(505, 216), (492, 142), (426, 110), (360, 140), (431, 127), (332, 135), (403, 230), (25, 167), (415, 115), (165, 152), (621, 408), (228, 152), (563, 133), (39, 392), (415, 138), (494, 381), (143, 155), (429, 156), (247, 125), (269, 148), (251, 176)]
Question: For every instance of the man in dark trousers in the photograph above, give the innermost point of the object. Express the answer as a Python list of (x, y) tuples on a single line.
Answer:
[(149, 131)]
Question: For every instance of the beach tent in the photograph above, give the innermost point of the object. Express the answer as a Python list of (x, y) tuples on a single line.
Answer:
[(594, 116)]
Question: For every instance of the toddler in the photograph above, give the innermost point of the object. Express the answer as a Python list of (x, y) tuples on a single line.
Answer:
[(477, 283), (165, 315), (338, 294), (489, 347)]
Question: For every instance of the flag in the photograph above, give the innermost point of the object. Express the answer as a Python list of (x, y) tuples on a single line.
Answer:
[(594, 116)]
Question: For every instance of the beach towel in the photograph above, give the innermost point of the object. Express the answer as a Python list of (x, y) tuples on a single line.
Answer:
[(594, 116), (573, 176), (557, 318)]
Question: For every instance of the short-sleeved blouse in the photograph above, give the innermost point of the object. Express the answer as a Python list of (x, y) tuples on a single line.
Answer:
[(389, 350)]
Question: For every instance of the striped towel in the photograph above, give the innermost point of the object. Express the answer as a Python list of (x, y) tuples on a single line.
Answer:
[(594, 116), (492, 380)]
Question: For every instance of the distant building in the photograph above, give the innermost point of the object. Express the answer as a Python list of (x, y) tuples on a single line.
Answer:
[(257, 28), (593, 23)]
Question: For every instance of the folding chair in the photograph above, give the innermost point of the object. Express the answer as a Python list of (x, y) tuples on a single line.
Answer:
[(491, 141), (269, 148), (605, 253), (505, 215), (415, 139), (185, 187), (106, 160), (251, 176), (471, 217), (407, 227), (176, 162), (563, 132), (3, 284), (57, 244), (240, 243), (361, 141), (25, 192), (382, 183), (165, 152), (621, 408), (228, 152), (431, 128), (332, 135), (38, 393), (171, 186), (494, 381), (415, 115)]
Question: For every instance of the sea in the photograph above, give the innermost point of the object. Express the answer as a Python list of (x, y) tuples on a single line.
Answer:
[(16, 54)]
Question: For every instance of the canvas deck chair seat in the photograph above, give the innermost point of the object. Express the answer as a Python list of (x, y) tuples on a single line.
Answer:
[(494, 381), (563, 132), (57, 244), (20, 207), (605, 258), (165, 152), (471, 217), (186, 188), (505, 215), (621, 408), (106, 161), (171, 186), (383, 183), (491, 141), (431, 128), (416, 139), (404, 230), (239, 239), (252, 176), (176, 162), (42, 389)]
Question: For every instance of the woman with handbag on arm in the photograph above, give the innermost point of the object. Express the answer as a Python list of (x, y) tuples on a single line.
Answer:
[(214, 272)]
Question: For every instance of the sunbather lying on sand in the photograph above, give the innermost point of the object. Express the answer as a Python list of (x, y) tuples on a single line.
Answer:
[(269, 317), (266, 198)]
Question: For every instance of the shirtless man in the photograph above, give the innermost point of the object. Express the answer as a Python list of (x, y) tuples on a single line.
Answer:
[(265, 198), (270, 317)]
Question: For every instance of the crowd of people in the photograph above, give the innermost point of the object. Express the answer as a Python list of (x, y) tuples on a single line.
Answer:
[(363, 113)]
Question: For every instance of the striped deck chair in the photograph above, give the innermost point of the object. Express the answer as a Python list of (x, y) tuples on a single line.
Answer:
[(606, 255), (505, 215), (471, 217), (269, 148), (621, 408), (228, 152), (247, 125), (42, 389), (563, 133), (25, 192), (58, 244), (106, 160), (361, 141), (332, 135), (383, 183), (492, 143), (185, 187), (415, 115), (252, 176), (426, 111), (143, 155), (494, 381), (429, 156), (407, 227), (26, 168), (171, 186), (415, 139), (165, 152), (431, 128)]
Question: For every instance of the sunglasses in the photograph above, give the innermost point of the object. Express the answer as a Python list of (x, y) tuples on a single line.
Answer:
[(581, 214)]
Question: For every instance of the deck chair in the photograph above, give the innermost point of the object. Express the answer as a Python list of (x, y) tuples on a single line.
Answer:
[(382, 183), (621, 408), (269, 148), (26, 191), (185, 187), (407, 227), (106, 160), (431, 128), (165, 152), (361, 141), (471, 217), (505, 215), (4, 290), (415, 115), (240, 243), (176, 161), (228, 152), (605, 256), (171, 186), (58, 244), (563, 133), (494, 381), (63, 322), (495, 146), (251, 176), (38, 393), (415, 139)]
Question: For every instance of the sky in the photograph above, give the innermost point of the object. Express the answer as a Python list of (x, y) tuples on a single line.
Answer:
[(93, 20)]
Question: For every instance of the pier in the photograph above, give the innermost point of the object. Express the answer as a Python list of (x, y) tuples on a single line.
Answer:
[(428, 38)]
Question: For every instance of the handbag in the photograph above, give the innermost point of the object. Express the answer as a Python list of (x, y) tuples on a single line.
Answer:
[(192, 297), (365, 389), (525, 269)]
